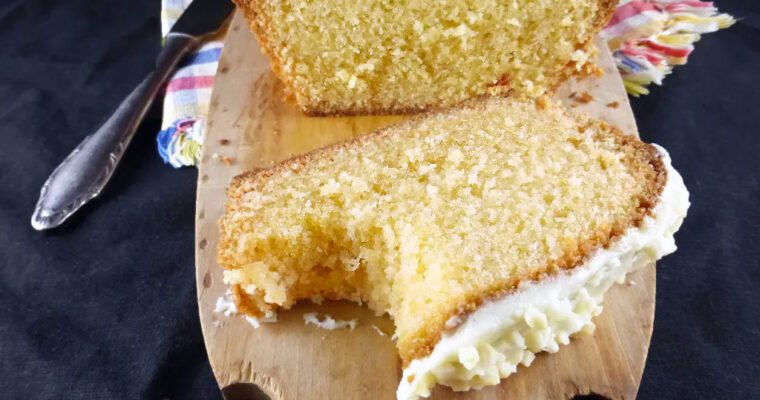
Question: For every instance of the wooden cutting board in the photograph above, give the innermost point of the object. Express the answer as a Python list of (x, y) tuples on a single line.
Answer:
[(249, 127)]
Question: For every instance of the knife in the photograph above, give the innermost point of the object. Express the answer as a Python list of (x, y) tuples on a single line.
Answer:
[(84, 173)]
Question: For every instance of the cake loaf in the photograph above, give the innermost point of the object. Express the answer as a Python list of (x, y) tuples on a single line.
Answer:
[(375, 57), (488, 232)]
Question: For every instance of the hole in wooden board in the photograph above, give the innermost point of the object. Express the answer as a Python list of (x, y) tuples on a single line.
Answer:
[(202, 214), (244, 391), (204, 178), (202, 244), (207, 280)]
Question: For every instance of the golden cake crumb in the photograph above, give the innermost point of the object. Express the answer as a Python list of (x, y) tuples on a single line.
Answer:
[(582, 97)]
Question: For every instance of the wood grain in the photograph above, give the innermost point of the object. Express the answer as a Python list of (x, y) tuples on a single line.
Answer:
[(251, 126)]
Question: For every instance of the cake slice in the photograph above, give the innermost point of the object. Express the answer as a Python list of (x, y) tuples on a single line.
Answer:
[(488, 232), (375, 56)]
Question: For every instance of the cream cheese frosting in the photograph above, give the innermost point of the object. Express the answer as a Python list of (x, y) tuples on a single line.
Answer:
[(491, 342)]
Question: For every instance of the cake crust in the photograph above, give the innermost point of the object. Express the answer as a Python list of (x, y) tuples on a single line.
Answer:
[(259, 25), (638, 156)]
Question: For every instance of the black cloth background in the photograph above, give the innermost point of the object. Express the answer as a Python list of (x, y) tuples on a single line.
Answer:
[(104, 308)]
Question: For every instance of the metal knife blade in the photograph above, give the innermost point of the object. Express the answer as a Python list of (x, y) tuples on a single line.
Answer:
[(84, 173), (203, 17)]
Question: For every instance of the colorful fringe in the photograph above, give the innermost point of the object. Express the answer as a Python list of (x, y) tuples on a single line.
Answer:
[(187, 96), (180, 143), (647, 37)]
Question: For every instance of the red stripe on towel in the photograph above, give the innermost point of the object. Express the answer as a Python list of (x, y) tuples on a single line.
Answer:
[(629, 10), (190, 82)]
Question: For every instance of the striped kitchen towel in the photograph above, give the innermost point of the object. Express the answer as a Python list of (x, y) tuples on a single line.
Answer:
[(647, 37), (187, 95)]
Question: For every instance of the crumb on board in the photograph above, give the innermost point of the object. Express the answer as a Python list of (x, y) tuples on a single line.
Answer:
[(225, 305), (224, 142), (266, 319), (613, 104), (253, 321), (582, 97), (225, 159), (378, 330), (328, 322), (631, 283)]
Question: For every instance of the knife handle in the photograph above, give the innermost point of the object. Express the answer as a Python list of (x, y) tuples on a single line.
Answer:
[(84, 173)]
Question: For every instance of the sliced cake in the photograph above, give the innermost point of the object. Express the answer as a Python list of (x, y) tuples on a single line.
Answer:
[(374, 56), (488, 232)]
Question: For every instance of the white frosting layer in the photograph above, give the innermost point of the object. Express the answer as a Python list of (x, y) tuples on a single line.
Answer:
[(501, 334)]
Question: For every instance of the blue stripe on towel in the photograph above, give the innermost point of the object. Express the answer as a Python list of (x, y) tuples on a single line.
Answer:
[(202, 57)]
